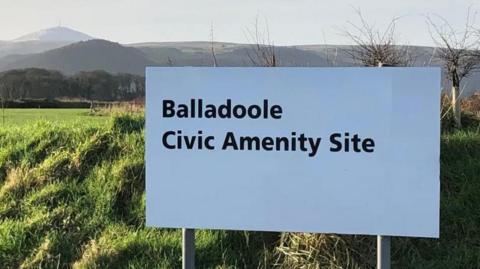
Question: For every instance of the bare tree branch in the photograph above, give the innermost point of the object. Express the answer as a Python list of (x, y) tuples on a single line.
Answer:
[(212, 44), (458, 51), (373, 47), (262, 52)]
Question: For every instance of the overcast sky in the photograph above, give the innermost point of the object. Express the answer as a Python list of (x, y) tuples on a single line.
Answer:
[(290, 21)]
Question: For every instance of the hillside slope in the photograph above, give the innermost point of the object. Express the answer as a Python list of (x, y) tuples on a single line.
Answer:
[(29, 47), (84, 56), (55, 34), (227, 54)]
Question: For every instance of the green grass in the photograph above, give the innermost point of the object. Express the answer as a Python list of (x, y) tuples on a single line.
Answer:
[(73, 196), (18, 117)]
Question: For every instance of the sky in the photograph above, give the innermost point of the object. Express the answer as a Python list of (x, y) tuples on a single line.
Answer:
[(290, 22)]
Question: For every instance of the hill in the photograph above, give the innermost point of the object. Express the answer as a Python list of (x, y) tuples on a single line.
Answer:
[(41, 41), (55, 34), (84, 56), (8, 48), (227, 54)]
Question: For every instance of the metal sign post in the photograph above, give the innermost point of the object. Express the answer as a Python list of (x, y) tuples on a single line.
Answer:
[(188, 248), (383, 242), (383, 252)]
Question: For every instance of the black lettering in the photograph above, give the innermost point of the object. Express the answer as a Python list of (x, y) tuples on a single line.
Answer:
[(241, 114), (210, 111), (165, 138), (333, 140), (347, 144), (257, 113), (208, 144), (168, 108), (302, 139), (294, 139), (314, 145), (251, 142), (182, 111), (230, 141), (192, 108), (267, 143), (190, 142), (200, 108), (225, 111), (179, 139), (281, 140), (356, 143), (368, 145), (276, 112)]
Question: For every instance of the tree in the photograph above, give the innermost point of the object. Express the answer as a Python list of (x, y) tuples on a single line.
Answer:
[(375, 47), (35, 83), (459, 53), (262, 52), (97, 85), (129, 86), (212, 47)]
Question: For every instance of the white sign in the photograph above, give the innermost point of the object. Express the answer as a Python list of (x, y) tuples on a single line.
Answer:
[(328, 150)]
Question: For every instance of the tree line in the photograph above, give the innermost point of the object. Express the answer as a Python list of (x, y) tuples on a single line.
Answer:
[(35, 83)]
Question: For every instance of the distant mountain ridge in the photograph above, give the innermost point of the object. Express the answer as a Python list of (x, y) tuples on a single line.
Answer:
[(41, 41), (29, 47), (55, 34), (83, 56), (69, 56)]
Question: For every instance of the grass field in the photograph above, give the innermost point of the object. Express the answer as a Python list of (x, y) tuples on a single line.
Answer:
[(18, 117), (75, 198)]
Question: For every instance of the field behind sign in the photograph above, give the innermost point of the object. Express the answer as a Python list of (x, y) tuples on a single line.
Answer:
[(19, 117)]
